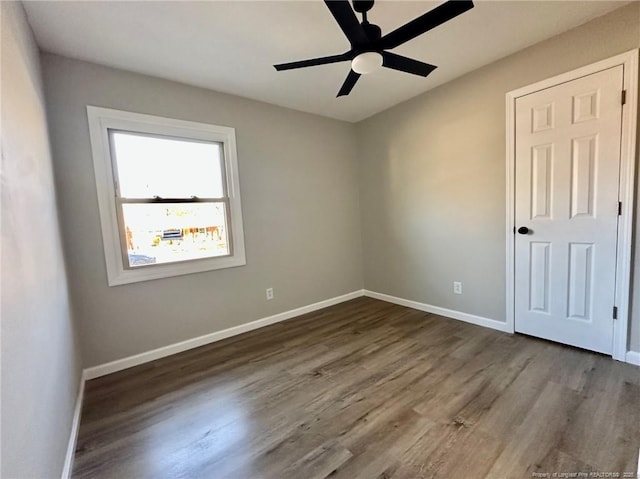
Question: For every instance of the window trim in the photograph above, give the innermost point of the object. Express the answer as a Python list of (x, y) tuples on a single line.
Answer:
[(101, 120)]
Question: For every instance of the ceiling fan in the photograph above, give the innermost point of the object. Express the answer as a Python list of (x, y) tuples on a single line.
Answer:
[(369, 48)]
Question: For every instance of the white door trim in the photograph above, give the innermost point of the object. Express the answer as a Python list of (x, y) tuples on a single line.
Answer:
[(629, 61)]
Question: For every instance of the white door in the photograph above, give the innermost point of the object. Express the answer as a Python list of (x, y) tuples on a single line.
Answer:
[(567, 175)]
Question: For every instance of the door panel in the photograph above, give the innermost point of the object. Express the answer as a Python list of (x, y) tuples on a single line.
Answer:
[(541, 181), (567, 175), (583, 151), (580, 280), (539, 267)]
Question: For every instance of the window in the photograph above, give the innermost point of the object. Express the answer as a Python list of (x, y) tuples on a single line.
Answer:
[(168, 193)]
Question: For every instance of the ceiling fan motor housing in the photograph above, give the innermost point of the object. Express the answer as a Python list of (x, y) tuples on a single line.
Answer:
[(374, 33)]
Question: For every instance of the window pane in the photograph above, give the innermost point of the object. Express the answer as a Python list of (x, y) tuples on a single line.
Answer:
[(170, 232), (151, 166)]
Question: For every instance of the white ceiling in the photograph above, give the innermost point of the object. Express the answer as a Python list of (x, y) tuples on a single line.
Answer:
[(230, 46)]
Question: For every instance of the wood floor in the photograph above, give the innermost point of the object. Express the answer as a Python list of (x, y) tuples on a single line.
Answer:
[(365, 389)]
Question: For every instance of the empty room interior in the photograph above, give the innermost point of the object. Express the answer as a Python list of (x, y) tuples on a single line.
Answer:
[(320, 239)]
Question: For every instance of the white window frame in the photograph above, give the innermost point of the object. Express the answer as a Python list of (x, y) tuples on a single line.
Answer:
[(101, 120)]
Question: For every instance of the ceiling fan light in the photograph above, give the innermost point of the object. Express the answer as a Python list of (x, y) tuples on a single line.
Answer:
[(367, 62)]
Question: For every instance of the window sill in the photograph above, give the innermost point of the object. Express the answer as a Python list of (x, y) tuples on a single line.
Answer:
[(118, 276)]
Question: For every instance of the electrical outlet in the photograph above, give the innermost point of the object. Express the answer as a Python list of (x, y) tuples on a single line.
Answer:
[(269, 293), (457, 287)]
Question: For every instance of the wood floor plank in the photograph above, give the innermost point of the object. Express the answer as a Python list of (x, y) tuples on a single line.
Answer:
[(600, 428), (538, 434), (364, 389)]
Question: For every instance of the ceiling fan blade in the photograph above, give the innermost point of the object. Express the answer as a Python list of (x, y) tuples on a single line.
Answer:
[(424, 23), (349, 83), (404, 64), (313, 62), (348, 22)]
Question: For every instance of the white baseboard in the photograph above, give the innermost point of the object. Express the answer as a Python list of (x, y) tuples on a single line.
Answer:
[(135, 360), (633, 357), (124, 363), (73, 436), (449, 313)]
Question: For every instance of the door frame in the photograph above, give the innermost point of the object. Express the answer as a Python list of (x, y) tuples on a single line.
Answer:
[(629, 61)]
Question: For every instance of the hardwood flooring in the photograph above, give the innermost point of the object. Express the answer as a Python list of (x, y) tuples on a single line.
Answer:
[(365, 389)]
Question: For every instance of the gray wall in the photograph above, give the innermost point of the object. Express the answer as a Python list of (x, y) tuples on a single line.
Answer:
[(433, 175), (40, 361), (298, 181)]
